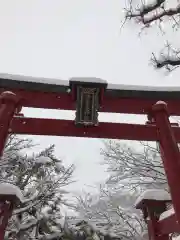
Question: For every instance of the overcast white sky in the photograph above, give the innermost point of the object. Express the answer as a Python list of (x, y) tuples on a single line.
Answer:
[(71, 38)]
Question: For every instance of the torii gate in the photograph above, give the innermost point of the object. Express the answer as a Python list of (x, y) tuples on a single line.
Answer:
[(88, 96)]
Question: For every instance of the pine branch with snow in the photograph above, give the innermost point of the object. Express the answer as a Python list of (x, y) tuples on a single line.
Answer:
[(42, 178)]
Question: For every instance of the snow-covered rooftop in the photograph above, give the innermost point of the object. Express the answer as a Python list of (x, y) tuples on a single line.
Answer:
[(60, 82), (10, 189), (153, 194)]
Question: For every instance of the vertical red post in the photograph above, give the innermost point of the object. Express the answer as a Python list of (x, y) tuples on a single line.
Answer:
[(170, 152), (8, 107), (6, 208)]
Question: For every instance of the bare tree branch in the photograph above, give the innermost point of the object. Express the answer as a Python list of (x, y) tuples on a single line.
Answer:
[(156, 12)]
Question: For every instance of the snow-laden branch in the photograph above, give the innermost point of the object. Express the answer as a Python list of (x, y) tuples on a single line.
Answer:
[(42, 182), (157, 11)]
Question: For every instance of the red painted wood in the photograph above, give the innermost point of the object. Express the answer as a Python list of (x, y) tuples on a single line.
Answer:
[(166, 134), (45, 100), (53, 127), (168, 225), (6, 209), (8, 106), (170, 153), (136, 106), (65, 101)]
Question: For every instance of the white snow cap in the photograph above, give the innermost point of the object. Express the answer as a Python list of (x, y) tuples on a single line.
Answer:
[(43, 160), (34, 79), (154, 194), (8, 92), (10, 189), (167, 214), (88, 79), (161, 102)]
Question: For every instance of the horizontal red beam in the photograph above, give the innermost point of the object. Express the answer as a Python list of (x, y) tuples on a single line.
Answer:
[(168, 225), (46, 100), (137, 106), (112, 104), (54, 127)]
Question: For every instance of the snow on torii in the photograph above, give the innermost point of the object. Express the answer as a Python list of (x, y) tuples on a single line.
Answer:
[(117, 98), (53, 81), (87, 96)]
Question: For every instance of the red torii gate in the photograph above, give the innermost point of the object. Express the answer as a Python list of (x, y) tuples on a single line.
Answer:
[(88, 96)]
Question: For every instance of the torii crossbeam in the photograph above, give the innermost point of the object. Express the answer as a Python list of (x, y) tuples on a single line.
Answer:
[(57, 94), (88, 96)]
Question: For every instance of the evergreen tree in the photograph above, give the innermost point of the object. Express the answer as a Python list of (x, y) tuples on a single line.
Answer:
[(42, 179)]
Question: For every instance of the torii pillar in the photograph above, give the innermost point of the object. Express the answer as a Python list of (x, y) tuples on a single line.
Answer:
[(169, 151), (9, 105)]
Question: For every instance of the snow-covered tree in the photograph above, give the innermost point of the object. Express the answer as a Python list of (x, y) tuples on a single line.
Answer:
[(132, 169), (42, 178), (112, 213), (139, 167), (78, 229), (166, 15)]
